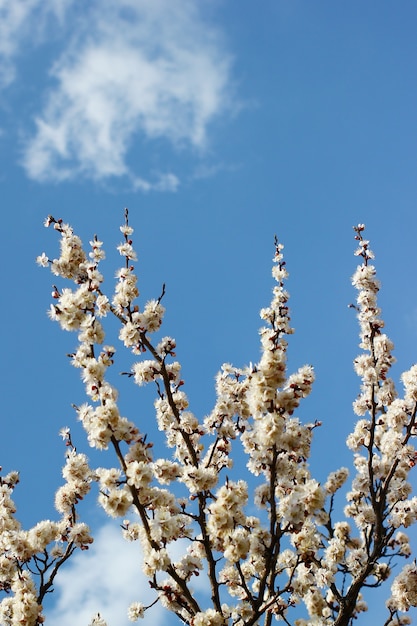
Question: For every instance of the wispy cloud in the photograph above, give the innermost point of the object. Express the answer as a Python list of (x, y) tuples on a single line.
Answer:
[(206, 170), (23, 24), (105, 580), (135, 70)]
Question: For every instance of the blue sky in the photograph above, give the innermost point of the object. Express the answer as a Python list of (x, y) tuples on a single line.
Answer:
[(219, 124)]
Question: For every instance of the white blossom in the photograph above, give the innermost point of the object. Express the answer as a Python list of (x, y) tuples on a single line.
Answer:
[(264, 536)]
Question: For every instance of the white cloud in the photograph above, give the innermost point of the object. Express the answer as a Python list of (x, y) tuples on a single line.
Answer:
[(135, 70), (106, 579), (23, 23), (163, 182)]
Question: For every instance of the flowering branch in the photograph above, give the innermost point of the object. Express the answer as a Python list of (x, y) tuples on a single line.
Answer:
[(290, 557)]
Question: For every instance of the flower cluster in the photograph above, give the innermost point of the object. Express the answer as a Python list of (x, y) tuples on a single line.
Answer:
[(265, 543), (34, 556)]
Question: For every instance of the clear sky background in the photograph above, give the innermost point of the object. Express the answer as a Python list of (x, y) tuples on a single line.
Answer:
[(219, 123)]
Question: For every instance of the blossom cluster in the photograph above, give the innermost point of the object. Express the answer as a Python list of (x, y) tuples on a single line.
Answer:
[(30, 559), (266, 543)]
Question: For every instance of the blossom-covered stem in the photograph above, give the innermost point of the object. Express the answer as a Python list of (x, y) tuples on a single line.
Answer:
[(409, 433), (380, 490), (211, 562), (45, 587), (114, 311), (377, 532), (377, 495), (266, 607), (349, 601), (275, 533), (243, 582), (126, 236), (144, 519), (193, 604), (139, 507), (168, 391), (213, 451)]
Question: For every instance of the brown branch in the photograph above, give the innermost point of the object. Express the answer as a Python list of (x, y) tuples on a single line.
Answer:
[(141, 509)]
